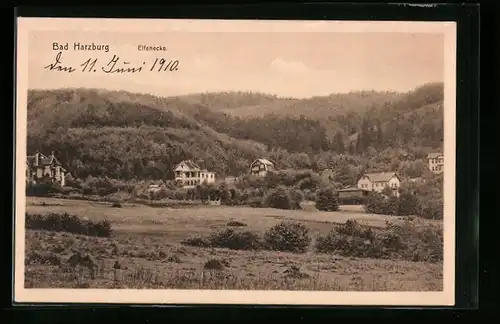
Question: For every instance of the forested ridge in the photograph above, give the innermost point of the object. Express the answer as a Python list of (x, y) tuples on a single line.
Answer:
[(125, 136)]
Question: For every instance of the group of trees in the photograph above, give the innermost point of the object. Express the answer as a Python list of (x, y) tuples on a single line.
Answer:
[(423, 198)]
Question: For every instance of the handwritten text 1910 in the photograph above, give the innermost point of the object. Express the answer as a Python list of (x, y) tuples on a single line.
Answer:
[(114, 65)]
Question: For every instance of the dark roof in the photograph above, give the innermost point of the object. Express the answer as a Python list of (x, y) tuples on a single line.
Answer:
[(351, 189), (380, 176)]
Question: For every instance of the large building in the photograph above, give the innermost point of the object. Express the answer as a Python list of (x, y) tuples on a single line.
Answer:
[(378, 181), (40, 167), (261, 167), (189, 174), (436, 162)]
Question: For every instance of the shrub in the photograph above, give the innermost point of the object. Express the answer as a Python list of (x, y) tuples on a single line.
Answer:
[(296, 197), (405, 241), (327, 200), (68, 223), (45, 258), (407, 204), (287, 236), (379, 204), (278, 198), (116, 205), (229, 238), (196, 241), (214, 264), (255, 202), (236, 223), (42, 189), (432, 209), (346, 245)]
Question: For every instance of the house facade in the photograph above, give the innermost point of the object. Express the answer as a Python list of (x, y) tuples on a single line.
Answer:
[(378, 181), (40, 167), (436, 162), (261, 167), (189, 174)]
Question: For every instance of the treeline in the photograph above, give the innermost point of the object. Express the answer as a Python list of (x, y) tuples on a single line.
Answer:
[(283, 190)]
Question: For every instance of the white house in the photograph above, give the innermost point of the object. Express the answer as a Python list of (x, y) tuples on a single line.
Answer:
[(377, 181), (436, 162), (189, 174), (260, 167), (40, 166)]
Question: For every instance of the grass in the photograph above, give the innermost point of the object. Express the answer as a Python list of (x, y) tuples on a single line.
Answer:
[(147, 246)]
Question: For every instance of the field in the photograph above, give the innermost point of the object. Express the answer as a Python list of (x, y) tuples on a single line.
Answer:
[(146, 245)]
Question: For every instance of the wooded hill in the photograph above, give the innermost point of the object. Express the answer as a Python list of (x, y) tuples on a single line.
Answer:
[(125, 135)]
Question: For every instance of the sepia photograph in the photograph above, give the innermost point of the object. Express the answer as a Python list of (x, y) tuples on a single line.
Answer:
[(233, 161)]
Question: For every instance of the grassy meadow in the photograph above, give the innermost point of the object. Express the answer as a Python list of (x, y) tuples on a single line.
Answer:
[(146, 250)]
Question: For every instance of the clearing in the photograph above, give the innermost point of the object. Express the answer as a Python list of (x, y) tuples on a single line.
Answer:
[(147, 246)]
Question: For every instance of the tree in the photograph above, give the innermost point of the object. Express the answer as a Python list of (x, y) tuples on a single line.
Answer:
[(225, 195), (407, 204), (327, 200), (338, 143), (278, 198)]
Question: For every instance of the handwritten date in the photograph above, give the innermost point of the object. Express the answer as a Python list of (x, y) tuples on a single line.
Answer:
[(114, 65)]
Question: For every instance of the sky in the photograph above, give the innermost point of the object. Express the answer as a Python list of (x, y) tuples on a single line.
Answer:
[(292, 64)]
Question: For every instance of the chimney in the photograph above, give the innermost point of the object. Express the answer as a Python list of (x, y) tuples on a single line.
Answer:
[(36, 158), (52, 155)]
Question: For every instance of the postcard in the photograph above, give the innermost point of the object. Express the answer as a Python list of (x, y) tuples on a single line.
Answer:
[(173, 161)]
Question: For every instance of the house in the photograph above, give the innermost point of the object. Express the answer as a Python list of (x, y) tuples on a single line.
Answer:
[(260, 167), (436, 162), (377, 181), (40, 166), (189, 174)]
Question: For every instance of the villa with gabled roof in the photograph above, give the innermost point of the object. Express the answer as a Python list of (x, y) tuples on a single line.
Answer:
[(261, 167), (378, 181), (40, 166), (189, 174)]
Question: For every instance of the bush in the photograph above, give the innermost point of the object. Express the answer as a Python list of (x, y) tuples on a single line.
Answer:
[(236, 223), (407, 204), (196, 241), (296, 197), (68, 223), (327, 200), (116, 205), (278, 198), (255, 202), (214, 264), (42, 189), (432, 209), (406, 242), (380, 204), (346, 245), (229, 238), (287, 236)]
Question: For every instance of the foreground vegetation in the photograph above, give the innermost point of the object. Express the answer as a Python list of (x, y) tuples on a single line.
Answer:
[(252, 252)]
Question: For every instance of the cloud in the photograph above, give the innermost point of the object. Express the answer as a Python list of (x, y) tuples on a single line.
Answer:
[(289, 66)]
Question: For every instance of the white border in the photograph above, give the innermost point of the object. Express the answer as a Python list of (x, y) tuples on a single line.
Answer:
[(444, 298)]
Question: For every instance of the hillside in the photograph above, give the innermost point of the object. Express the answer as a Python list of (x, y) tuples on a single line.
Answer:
[(125, 135)]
